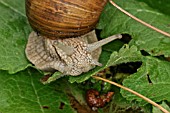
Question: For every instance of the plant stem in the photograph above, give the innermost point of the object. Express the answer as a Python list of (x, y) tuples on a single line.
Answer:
[(138, 20), (133, 92)]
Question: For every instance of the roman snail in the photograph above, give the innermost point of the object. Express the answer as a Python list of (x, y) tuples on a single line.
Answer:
[(64, 38)]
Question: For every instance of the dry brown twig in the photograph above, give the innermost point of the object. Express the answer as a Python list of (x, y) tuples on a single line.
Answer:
[(133, 92)]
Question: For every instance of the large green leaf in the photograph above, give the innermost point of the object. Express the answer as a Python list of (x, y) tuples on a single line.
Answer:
[(156, 110), (113, 21), (23, 93), (152, 80), (14, 31)]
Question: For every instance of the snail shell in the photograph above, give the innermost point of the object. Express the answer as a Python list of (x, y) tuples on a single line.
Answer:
[(65, 40), (63, 18)]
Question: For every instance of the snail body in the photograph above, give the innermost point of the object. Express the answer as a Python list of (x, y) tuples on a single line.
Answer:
[(62, 40), (69, 56)]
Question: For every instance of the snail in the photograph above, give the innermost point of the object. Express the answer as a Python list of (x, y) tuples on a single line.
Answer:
[(64, 38)]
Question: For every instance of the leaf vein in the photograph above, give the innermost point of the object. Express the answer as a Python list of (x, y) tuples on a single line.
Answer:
[(36, 93)]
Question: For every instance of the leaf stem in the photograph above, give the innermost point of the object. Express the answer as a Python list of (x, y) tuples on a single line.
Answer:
[(138, 20), (133, 92)]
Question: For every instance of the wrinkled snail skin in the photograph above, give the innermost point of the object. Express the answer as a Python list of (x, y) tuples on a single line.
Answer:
[(63, 18), (69, 55), (81, 55), (63, 38)]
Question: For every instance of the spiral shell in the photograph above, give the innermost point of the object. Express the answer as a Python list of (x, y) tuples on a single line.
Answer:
[(63, 18)]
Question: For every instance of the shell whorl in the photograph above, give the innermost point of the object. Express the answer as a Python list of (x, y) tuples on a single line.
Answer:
[(63, 18)]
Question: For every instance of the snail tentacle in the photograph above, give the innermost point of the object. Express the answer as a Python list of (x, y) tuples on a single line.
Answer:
[(67, 49), (95, 45)]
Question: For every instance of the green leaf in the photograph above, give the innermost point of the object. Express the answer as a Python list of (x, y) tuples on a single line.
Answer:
[(51, 78), (14, 31), (113, 21), (164, 105), (18, 5), (158, 5), (151, 80), (125, 54), (23, 93)]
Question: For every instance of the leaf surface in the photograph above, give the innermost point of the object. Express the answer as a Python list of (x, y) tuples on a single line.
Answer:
[(23, 93), (151, 80), (14, 31), (113, 21), (164, 105)]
